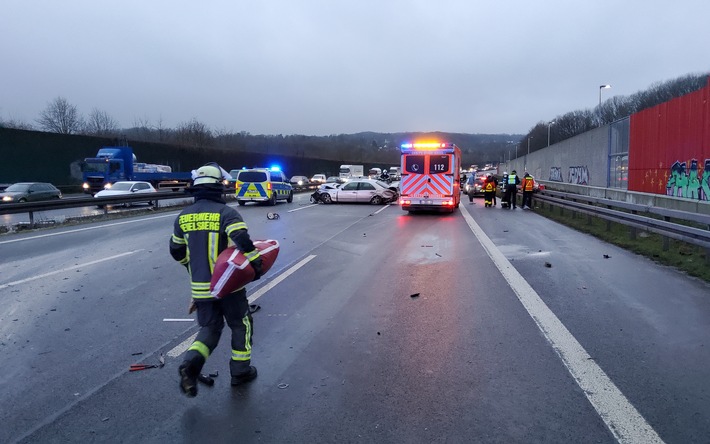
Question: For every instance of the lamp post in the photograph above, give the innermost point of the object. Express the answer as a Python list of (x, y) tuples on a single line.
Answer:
[(601, 87), (529, 144), (550, 123)]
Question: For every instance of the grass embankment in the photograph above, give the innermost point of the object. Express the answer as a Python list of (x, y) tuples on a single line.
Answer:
[(683, 256)]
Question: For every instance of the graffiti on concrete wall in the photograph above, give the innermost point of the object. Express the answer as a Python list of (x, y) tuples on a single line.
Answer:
[(578, 175), (556, 174), (689, 182)]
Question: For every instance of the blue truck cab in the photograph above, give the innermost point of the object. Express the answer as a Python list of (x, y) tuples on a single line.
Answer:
[(116, 163)]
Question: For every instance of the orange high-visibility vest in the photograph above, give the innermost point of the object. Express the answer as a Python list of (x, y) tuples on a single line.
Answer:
[(528, 183), (490, 186)]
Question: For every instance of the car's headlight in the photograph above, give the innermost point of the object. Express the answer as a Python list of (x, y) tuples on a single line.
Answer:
[(7, 198)]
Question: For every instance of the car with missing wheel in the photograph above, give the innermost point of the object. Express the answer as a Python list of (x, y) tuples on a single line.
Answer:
[(370, 191), (30, 192)]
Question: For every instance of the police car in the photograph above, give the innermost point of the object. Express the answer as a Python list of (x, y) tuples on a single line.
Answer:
[(266, 185)]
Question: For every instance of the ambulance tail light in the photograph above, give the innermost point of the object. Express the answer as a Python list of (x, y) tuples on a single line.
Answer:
[(448, 203), (405, 202)]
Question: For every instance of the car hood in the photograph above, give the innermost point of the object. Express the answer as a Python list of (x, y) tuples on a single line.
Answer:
[(105, 193), (11, 193)]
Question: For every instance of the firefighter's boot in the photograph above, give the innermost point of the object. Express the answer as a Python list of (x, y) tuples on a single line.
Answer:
[(243, 378), (189, 370)]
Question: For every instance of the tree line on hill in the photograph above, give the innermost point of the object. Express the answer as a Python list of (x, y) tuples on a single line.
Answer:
[(62, 117)]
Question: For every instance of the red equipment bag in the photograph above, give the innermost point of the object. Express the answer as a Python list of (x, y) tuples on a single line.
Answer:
[(232, 270)]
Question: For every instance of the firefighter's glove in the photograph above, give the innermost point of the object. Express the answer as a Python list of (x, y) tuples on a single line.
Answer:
[(256, 265)]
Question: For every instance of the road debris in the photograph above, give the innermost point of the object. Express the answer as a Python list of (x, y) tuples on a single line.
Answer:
[(253, 308), (415, 295), (283, 385), (272, 216), (207, 380), (548, 265), (606, 256)]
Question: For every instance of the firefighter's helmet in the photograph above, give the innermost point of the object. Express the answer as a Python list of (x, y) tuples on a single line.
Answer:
[(210, 174)]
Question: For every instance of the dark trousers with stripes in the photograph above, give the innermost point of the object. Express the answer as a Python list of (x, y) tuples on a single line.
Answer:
[(211, 316)]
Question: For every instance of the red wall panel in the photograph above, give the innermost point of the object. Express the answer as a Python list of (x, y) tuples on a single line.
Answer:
[(669, 147)]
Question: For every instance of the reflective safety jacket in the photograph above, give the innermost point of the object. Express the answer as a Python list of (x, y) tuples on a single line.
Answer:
[(489, 186), (528, 183), (202, 231), (513, 180)]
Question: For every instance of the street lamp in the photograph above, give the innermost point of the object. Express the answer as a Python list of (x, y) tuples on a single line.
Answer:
[(601, 87), (529, 144), (516, 150), (550, 123)]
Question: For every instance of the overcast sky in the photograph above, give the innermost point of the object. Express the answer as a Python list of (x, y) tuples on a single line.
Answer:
[(319, 67)]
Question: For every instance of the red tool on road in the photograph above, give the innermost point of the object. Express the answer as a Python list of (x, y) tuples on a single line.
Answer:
[(138, 367)]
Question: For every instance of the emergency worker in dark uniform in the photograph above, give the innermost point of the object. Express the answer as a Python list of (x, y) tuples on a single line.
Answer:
[(511, 189), (201, 232)]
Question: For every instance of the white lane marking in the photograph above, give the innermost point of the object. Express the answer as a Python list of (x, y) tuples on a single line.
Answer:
[(623, 420), (78, 230), (382, 209), (184, 345), (181, 347), (177, 320), (280, 278), (98, 261), (302, 208)]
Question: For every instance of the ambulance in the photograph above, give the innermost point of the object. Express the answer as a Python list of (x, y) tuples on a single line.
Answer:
[(430, 177)]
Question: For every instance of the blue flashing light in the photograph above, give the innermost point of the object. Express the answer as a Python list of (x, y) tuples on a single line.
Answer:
[(275, 168)]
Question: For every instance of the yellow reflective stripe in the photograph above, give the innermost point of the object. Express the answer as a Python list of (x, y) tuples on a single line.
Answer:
[(213, 249), (247, 334), (238, 355), (200, 285), (184, 261), (235, 226), (179, 240), (200, 348), (252, 255)]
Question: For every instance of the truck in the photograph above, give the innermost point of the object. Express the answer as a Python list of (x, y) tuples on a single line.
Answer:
[(116, 163), (348, 172), (430, 177)]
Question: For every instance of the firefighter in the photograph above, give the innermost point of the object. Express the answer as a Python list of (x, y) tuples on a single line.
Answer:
[(511, 189), (528, 185), (202, 231), (489, 190)]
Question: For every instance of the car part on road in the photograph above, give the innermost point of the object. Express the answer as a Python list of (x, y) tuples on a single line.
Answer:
[(272, 216)]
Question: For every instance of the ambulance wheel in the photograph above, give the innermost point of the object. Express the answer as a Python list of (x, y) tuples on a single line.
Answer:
[(241, 203), (290, 197), (376, 200), (326, 198)]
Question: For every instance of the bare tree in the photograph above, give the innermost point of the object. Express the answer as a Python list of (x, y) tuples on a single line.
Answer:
[(194, 133), (99, 123), (60, 117)]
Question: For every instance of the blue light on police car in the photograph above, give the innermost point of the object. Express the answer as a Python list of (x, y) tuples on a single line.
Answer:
[(275, 168)]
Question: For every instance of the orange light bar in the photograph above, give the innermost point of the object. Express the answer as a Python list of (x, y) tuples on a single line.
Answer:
[(424, 146)]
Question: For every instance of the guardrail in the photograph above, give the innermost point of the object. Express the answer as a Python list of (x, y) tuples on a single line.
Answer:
[(77, 202), (634, 217)]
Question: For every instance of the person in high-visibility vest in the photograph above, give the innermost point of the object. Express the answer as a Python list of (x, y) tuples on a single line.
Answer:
[(528, 185), (511, 189), (489, 190)]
